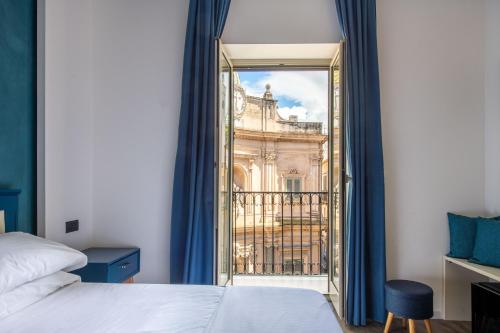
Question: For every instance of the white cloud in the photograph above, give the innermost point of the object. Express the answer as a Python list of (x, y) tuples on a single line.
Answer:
[(308, 89), (251, 89), (299, 111)]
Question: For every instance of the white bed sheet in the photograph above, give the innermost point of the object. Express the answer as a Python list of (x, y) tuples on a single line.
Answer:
[(95, 308), (276, 310)]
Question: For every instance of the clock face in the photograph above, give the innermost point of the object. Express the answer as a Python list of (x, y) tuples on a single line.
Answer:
[(239, 101)]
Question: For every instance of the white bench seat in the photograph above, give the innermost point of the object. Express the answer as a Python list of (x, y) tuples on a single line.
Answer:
[(490, 272), (458, 276)]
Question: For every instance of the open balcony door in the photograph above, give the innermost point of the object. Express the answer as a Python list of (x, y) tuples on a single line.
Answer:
[(223, 167), (337, 180)]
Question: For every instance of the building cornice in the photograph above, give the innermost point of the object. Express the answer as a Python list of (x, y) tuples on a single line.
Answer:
[(246, 134)]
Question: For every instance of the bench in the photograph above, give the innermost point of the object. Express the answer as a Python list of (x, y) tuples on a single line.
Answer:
[(459, 274)]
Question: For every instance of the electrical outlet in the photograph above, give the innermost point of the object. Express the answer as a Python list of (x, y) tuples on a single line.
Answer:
[(72, 226)]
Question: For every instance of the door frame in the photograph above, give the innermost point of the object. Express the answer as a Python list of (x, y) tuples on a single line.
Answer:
[(251, 65), (309, 64), (338, 60), (220, 52)]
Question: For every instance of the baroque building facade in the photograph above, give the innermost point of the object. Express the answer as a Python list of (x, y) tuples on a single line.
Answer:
[(273, 154), (280, 206)]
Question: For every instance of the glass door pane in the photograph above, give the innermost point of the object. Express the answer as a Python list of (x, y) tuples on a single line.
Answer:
[(336, 175), (224, 164), (337, 180)]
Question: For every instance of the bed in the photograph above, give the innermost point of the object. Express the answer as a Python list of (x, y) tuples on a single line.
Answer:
[(95, 307), (37, 294)]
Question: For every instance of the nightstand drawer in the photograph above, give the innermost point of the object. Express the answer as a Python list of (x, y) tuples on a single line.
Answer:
[(114, 265), (124, 268)]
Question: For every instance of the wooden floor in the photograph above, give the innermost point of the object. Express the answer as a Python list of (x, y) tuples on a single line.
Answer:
[(438, 326)]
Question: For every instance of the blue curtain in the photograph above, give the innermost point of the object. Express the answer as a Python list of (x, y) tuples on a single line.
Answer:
[(365, 193), (192, 224)]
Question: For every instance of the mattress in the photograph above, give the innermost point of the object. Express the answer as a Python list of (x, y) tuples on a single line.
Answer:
[(95, 307)]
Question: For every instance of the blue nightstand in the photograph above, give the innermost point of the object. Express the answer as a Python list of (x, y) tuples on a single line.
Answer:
[(113, 265)]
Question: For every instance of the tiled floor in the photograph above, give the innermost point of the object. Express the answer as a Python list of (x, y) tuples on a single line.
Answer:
[(318, 283)]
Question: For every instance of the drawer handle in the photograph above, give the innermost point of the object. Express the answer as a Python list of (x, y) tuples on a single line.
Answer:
[(124, 265)]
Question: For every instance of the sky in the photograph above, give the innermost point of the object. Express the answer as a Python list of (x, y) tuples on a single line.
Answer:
[(301, 93)]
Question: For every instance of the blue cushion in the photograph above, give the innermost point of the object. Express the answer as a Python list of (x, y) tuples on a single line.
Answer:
[(487, 244), (462, 235), (409, 299)]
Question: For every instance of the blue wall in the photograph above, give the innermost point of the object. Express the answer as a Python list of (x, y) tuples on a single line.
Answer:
[(18, 105)]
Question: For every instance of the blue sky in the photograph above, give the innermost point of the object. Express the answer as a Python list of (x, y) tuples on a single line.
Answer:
[(301, 93)]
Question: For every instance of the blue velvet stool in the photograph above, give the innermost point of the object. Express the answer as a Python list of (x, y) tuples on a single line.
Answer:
[(409, 300)]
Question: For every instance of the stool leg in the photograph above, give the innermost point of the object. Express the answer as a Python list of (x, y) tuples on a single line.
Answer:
[(390, 316), (403, 322), (427, 323), (411, 324)]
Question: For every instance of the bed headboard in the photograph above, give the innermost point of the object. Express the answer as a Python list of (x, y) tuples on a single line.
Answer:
[(9, 204)]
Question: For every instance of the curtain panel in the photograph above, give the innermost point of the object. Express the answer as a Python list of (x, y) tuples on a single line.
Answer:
[(192, 223), (365, 204)]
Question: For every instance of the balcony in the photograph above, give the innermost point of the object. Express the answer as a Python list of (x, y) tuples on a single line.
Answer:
[(314, 282), (280, 234)]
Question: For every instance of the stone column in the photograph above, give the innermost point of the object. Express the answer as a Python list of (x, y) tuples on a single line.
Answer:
[(250, 174), (269, 171)]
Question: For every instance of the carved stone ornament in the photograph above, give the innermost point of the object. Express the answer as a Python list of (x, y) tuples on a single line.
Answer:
[(240, 101), (270, 156)]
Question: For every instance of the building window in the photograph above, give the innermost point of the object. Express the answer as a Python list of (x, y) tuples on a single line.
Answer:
[(293, 185), (268, 259), (293, 266)]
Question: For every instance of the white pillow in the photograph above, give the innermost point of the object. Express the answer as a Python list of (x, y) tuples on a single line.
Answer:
[(24, 258), (31, 292)]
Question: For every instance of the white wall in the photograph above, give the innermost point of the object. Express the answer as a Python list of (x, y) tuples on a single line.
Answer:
[(113, 83), (432, 87), (113, 86), (68, 130), (492, 106), (118, 161), (432, 83), (137, 68), (281, 22), (137, 65)]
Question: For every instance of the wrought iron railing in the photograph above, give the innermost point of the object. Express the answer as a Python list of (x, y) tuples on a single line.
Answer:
[(280, 233)]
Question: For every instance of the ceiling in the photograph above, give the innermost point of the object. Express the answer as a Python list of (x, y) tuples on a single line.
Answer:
[(281, 51)]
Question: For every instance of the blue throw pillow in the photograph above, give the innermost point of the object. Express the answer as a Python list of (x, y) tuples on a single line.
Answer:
[(462, 235), (487, 247)]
